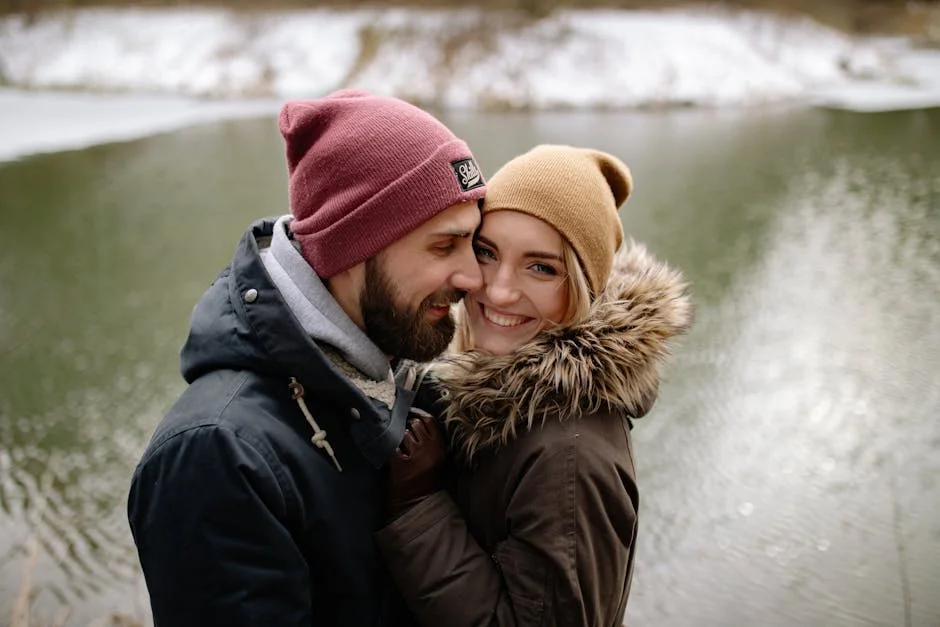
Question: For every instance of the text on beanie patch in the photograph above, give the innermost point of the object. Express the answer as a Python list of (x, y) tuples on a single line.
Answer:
[(468, 174)]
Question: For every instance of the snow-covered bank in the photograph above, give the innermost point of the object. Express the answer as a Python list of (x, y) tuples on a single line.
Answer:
[(175, 67), (463, 59)]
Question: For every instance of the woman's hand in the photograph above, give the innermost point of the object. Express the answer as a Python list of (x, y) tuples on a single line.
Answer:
[(415, 469)]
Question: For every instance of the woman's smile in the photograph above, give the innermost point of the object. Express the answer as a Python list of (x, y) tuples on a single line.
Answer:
[(503, 320)]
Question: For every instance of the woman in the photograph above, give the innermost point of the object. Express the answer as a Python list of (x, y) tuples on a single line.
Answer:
[(556, 353)]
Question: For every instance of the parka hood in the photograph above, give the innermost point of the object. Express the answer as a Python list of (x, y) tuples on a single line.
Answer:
[(608, 362), (240, 322)]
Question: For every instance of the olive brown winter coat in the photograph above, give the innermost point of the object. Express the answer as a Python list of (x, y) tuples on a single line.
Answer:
[(540, 525)]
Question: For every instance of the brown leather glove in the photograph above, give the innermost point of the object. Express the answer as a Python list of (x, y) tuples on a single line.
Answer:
[(415, 470)]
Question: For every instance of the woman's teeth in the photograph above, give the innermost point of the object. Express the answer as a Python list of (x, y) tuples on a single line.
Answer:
[(502, 320)]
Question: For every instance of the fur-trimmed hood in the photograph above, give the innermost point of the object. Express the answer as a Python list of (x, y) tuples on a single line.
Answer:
[(607, 362)]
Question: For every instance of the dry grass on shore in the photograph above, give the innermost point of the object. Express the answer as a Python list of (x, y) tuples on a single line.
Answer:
[(23, 612)]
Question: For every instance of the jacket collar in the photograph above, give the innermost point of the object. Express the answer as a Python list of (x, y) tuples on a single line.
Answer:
[(608, 362), (243, 323)]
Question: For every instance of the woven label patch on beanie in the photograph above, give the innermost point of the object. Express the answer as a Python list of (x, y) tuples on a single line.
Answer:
[(468, 174)]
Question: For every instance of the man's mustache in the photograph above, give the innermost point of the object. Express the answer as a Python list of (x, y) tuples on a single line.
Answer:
[(450, 296)]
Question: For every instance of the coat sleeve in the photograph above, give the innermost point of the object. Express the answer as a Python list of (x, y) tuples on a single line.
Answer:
[(565, 561), (206, 512)]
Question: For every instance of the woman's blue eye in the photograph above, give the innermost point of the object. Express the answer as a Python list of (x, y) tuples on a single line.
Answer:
[(544, 268)]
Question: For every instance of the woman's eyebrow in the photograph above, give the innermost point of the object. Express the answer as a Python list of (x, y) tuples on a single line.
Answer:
[(534, 254), (489, 243)]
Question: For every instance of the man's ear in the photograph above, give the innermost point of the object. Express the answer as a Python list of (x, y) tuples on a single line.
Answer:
[(346, 287)]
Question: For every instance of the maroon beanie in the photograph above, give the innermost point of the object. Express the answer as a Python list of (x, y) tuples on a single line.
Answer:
[(365, 170)]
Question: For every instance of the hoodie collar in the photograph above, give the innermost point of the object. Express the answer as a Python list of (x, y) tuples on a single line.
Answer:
[(315, 308)]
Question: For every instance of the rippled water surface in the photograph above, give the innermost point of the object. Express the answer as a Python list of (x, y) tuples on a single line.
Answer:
[(789, 474)]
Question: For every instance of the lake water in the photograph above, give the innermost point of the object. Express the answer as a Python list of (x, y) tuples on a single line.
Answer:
[(789, 474)]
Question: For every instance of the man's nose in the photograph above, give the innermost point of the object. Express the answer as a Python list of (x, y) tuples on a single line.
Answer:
[(468, 277)]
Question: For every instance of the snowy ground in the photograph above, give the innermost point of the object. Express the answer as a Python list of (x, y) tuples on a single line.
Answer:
[(209, 63)]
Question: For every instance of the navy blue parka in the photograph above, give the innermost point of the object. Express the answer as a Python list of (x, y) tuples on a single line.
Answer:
[(238, 518)]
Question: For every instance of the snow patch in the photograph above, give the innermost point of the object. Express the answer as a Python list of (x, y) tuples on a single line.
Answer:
[(455, 59)]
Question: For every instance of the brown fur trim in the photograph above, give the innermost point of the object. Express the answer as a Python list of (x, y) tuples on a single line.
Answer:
[(607, 362)]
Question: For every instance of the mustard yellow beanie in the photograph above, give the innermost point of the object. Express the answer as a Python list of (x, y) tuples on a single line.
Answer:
[(575, 190)]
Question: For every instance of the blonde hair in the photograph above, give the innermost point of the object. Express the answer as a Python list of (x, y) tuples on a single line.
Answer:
[(580, 298)]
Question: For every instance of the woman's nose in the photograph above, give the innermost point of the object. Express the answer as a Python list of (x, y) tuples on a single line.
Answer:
[(500, 286)]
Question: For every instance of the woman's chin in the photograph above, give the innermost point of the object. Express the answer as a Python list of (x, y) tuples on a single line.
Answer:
[(494, 343)]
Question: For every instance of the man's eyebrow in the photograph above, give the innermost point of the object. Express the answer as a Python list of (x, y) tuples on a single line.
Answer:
[(453, 233), (533, 254)]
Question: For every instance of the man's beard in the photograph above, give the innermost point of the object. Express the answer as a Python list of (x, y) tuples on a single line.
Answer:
[(399, 331)]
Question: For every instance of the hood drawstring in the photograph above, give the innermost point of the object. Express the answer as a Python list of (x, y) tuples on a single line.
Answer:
[(319, 435)]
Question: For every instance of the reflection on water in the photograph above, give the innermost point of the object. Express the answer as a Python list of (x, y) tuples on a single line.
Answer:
[(100, 266), (795, 427), (789, 473)]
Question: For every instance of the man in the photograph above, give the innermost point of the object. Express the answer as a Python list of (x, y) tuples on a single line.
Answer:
[(256, 500)]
